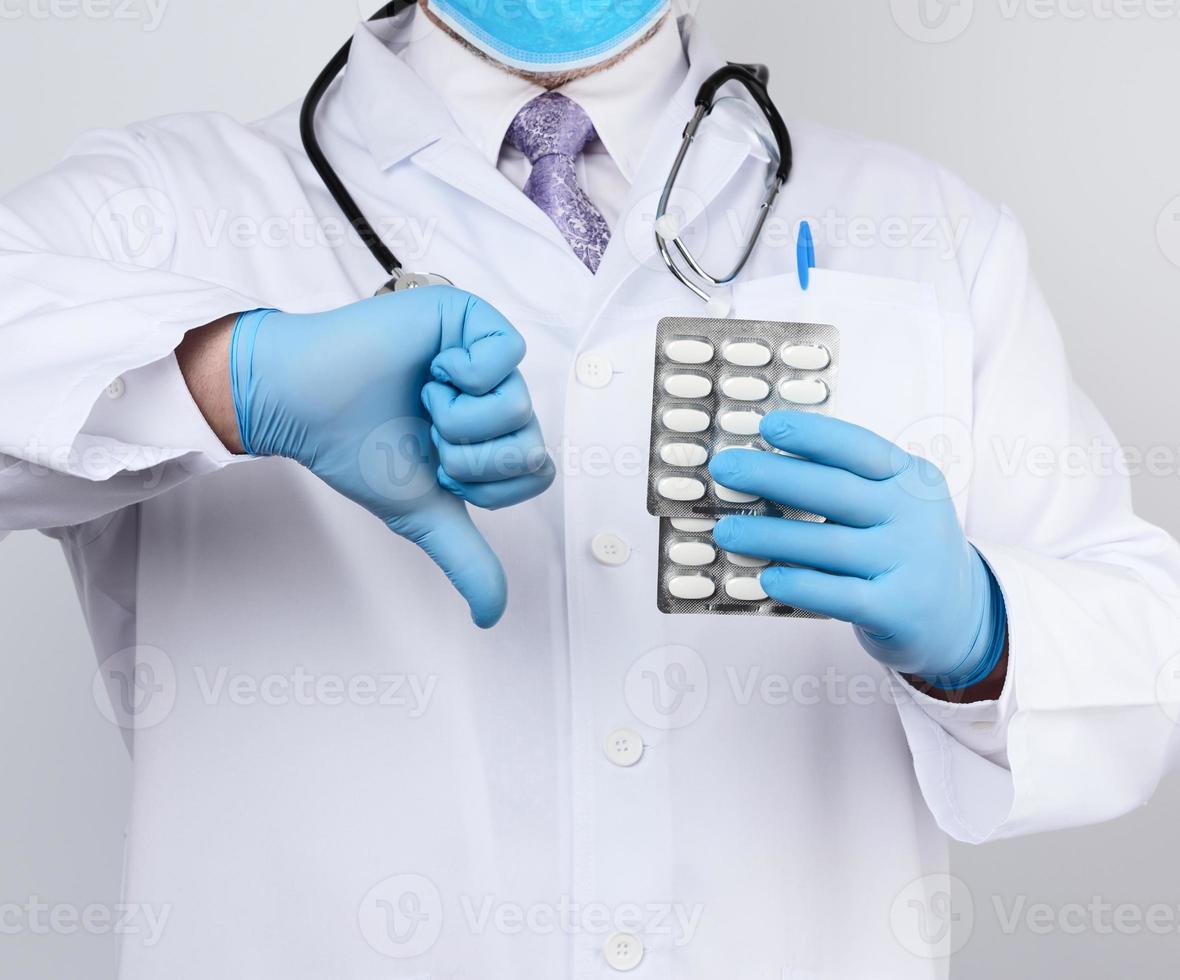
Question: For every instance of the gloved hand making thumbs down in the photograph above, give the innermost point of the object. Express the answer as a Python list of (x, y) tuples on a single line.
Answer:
[(409, 404)]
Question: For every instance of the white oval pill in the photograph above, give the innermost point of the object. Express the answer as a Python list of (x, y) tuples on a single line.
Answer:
[(799, 391), (689, 351), (741, 423), (745, 561), (681, 488), (805, 357), (745, 589), (692, 553), (747, 354), (732, 496), (745, 389), (693, 525), (686, 420), (692, 587), (688, 386), (684, 454)]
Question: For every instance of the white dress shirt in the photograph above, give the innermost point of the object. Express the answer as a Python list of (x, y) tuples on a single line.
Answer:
[(620, 100)]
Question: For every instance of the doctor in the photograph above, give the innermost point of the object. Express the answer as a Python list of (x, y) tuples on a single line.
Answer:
[(337, 773)]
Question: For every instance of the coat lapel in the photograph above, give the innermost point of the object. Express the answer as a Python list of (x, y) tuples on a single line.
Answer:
[(458, 163)]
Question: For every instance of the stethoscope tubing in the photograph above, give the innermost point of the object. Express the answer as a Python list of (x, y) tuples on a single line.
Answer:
[(752, 77)]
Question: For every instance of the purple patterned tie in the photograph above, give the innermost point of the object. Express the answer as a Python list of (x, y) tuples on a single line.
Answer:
[(551, 131)]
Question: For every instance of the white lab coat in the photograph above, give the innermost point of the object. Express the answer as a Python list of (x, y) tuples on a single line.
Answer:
[(337, 775)]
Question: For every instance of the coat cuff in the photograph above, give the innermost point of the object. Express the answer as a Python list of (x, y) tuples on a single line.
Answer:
[(147, 417), (1078, 735), (961, 756)]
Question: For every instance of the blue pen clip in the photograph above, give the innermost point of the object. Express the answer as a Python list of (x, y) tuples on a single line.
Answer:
[(805, 254)]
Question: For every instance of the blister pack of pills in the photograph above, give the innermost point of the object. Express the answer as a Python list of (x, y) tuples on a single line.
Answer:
[(697, 577), (714, 381)]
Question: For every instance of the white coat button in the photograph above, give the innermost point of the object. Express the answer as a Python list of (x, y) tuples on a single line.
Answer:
[(623, 952), (116, 388), (593, 370), (624, 747), (610, 549)]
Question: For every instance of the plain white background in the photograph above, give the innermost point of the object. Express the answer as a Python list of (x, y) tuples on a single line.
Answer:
[(1063, 109)]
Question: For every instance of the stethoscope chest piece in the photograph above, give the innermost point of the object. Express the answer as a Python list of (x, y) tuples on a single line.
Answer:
[(412, 280), (667, 229)]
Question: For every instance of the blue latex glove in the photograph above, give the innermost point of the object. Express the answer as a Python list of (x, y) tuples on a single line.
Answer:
[(893, 559), (352, 394)]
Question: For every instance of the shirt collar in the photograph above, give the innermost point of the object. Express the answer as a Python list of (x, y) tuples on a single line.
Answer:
[(481, 98), (626, 100), (395, 113), (408, 84)]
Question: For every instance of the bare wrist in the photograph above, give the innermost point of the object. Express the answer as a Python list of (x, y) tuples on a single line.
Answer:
[(203, 357)]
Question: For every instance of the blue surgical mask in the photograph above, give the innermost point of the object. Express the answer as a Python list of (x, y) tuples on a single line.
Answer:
[(549, 35)]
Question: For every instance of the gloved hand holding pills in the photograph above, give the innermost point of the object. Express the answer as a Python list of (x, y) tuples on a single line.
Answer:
[(715, 380), (409, 404), (891, 559), (768, 506)]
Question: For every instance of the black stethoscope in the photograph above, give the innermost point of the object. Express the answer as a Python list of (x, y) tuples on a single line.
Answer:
[(753, 77)]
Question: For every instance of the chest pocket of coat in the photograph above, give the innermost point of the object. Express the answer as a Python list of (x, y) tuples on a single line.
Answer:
[(905, 368)]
